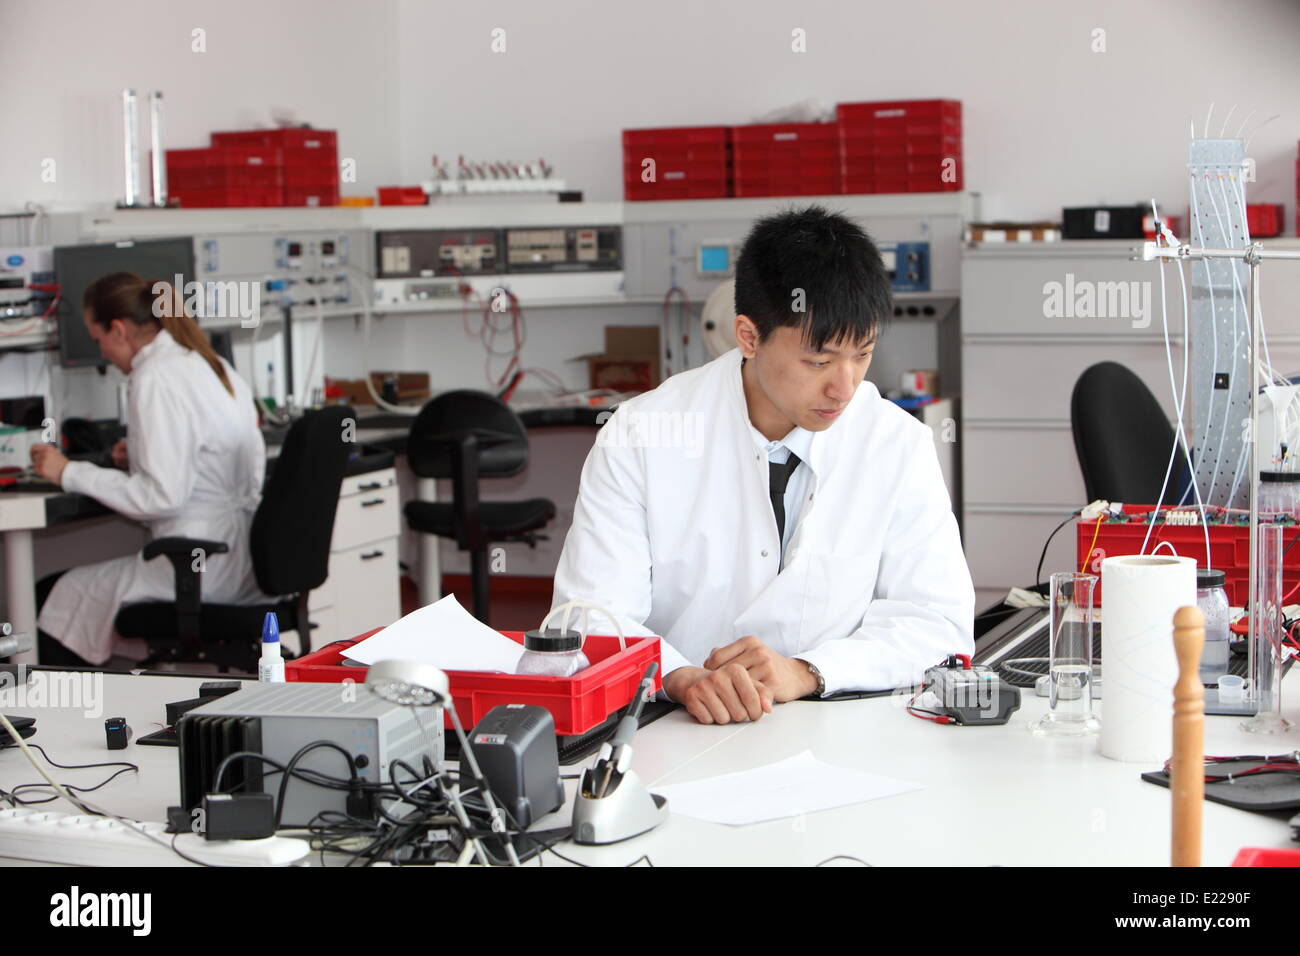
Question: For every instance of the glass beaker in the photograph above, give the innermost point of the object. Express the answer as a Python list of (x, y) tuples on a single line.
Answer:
[(1070, 673)]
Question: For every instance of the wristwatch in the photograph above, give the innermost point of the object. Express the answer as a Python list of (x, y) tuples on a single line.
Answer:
[(821, 681)]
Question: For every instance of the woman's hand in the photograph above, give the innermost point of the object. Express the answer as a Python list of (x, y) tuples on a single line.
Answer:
[(49, 462), (120, 459)]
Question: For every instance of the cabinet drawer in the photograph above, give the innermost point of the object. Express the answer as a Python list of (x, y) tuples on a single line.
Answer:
[(322, 596), (367, 590), (370, 481), (369, 516)]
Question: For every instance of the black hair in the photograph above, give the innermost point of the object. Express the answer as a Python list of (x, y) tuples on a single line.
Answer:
[(832, 261)]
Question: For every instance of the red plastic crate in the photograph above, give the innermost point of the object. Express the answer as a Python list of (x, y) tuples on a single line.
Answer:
[(898, 117), (675, 136), (691, 162), (578, 703), (1266, 856), (402, 196), (314, 140), (311, 195), (224, 156), (1229, 549), (1265, 220), (321, 174)]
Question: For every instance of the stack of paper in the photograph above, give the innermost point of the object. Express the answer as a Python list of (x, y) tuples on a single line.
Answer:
[(443, 634), (800, 784)]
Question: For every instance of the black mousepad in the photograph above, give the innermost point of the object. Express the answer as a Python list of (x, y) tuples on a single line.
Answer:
[(1266, 792)]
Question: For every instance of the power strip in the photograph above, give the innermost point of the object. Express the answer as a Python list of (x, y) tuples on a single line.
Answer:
[(78, 840)]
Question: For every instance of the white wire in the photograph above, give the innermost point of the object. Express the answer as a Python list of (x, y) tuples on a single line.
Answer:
[(1224, 129), (1187, 452), (1246, 145), (22, 745), (1237, 135), (1206, 133), (585, 607), (1180, 399), (315, 348), (1214, 332), (365, 347), (1172, 550)]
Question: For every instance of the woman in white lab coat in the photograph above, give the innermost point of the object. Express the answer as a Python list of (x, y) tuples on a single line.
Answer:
[(675, 528), (194, 468)]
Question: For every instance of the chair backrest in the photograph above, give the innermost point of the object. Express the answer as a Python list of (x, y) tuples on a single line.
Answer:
[(1122, 437), (290, 537), (504, 449)]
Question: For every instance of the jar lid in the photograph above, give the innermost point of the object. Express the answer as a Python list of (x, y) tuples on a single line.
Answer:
[(553, 639), (1210, 578), (1279, 476)]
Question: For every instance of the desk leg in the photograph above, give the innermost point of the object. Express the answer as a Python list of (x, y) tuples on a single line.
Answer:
[(20, 589), (426, 489)]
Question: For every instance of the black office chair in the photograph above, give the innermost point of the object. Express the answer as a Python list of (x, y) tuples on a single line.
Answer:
[(464, 435), (1123, 438), (290, 544)]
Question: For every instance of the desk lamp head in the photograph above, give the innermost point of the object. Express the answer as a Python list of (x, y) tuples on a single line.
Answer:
[(408, 683)]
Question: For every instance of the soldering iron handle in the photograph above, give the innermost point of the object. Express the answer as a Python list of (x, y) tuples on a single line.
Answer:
[(627, 727)]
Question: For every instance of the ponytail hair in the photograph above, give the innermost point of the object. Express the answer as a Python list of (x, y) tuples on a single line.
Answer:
[(157, 304)]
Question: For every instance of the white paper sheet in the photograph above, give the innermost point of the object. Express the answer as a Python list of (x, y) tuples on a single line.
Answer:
[(443, 634), (800, 784)]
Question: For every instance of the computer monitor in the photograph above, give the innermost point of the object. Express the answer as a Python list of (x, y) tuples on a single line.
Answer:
[(76, 267)]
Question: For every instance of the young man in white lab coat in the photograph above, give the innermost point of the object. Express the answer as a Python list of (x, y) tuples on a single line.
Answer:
[(675, 529)]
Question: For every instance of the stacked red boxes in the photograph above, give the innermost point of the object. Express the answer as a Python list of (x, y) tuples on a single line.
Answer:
[(226, 176), (279, 167), (1264, 220), (679, 162), (785, 159), (311, 161), (900, 146)]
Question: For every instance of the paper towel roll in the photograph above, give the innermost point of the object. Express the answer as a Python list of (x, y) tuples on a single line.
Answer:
[(1140, 594)]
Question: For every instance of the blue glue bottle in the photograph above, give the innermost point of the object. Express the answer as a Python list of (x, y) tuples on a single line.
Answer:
[(270, 668)]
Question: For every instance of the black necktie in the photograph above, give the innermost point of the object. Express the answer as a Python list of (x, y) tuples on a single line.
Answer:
[(778, 479)]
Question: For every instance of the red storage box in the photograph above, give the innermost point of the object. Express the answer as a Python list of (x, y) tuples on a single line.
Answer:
[(691, 162), (1266, 856), (890, 116), (785, 159), (1229, 548), (316, 175), (310, 140), (1264, 220), (578, 704), (402, 196)]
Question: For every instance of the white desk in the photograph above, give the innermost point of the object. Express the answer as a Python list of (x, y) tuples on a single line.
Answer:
[(21, 513), (993, 795)]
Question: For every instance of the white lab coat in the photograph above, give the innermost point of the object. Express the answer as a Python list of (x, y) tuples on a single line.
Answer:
[(197, 461), (673, 531)]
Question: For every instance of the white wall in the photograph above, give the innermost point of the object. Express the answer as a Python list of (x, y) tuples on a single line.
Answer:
[(64, 63), (1048, 123)]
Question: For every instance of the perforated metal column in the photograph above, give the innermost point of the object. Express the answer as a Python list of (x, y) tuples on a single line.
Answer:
[(1219, 390)]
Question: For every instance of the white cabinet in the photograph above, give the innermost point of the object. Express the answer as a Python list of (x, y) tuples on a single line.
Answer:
[(363, 590)]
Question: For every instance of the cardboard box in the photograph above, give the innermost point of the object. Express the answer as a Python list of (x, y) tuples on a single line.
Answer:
[(630, 362), (921, 381), (404, 388)]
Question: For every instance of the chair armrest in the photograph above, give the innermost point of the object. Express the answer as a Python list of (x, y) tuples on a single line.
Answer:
[(189, 589)]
